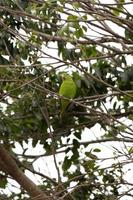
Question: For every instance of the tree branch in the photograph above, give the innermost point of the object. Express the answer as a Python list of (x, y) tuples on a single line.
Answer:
[(8, 165)]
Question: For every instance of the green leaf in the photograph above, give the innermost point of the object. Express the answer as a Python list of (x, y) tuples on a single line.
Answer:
[(79, 33), (3, 181), (72, 18), (66, 163), (130, 150), (97, 150), (90, 155)]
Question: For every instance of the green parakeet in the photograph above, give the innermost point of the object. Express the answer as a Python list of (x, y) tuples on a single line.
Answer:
[(68, 90)]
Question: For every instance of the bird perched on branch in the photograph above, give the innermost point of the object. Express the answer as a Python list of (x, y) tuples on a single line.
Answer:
[(68, 90)]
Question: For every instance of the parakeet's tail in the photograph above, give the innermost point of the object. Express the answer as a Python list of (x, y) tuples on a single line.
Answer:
[(61, 117)]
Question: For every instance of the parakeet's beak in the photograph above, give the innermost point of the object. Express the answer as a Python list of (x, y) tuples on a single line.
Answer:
[(63, 76)]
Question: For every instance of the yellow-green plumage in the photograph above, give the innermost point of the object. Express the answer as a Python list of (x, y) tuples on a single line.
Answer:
[(68, 90)]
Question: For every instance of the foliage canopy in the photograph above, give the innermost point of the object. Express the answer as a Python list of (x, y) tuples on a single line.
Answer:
[(92, 41)]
